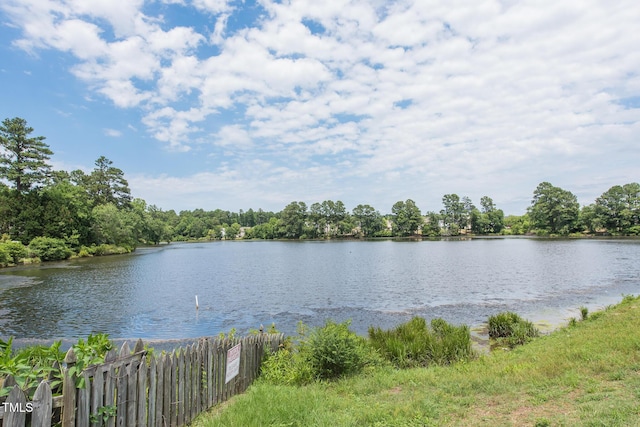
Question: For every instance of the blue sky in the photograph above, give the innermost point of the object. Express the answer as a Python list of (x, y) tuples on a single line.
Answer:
[(254, 104)]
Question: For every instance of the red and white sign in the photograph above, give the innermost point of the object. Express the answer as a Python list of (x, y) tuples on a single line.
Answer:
[(233, 363)]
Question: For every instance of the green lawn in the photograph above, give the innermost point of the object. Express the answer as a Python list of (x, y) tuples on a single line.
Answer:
[(587, 374)]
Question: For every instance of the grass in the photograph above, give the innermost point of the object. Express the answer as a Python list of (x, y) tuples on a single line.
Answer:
[(587, 374)]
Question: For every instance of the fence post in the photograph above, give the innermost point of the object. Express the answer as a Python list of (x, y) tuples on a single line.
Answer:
[(42, 406), (69, 391), (15, 416)]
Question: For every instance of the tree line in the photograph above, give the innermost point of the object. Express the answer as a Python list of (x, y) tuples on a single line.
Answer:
[(53, 214)]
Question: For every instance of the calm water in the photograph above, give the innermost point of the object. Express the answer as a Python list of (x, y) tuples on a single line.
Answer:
[(151, 294)]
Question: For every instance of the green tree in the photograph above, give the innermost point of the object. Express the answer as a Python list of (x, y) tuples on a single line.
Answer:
[(589, 219), (431, 226), (105, 184), (113, 226), (49, 249), (23, 159), (293, 220), (456, 213), (66, 213), (488, 221), (368, 220), (407, 218), (516, 224), (618, 208), (554, 210)]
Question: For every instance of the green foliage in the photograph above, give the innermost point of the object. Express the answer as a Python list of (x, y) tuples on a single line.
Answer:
[(287, 366), (511, 329), (103, 414), (584, 313), (23, 160), (368, 220), (618, 209), (231, 335), (325, 353), (49, 249), (15, 251), (407, 218), (554, 210), (5, 257), (292, 221), (334, 351), (31, 364), (490, 220), (89, 353), (414, 344)]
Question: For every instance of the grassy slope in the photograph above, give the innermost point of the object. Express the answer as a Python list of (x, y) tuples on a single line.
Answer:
[(585, 375)]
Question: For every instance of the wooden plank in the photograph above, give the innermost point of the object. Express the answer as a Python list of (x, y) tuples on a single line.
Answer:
[(110, 392), (197, 382), (188, 378), (83, 402), (97, 395), (153, 383), (69, 392), (166, 393), (132, 392), (174, 390), (142, 392), (15, 407), (180, 371), (121, 396), (218, 371), (159, 390), (42, 406), (139, 347), (209, 370), (125, 351), (111, 356)]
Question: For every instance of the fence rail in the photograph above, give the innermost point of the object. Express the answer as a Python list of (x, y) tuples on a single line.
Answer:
[(136, 388)]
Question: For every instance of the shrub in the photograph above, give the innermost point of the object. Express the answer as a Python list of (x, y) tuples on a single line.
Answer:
[(15, 250), (325, 353), (512, 328), (415, 344), (286, 366), (49, 249), (584, 313), (4, 256), (335, 351)]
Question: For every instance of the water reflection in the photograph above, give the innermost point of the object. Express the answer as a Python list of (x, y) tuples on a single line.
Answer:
[(244, 284)]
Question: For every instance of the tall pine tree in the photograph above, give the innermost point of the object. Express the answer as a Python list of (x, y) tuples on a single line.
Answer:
[(23, 159)]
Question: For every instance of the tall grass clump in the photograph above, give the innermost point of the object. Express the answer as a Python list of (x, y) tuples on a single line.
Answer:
[(414, 343), (324, 353), (511, 329)]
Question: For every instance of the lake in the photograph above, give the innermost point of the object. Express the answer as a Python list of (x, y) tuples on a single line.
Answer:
[(241, 284)]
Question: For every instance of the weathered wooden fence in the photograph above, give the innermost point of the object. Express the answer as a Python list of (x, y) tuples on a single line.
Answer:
[(140, 389)]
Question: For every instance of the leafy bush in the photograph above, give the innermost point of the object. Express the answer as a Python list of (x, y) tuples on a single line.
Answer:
[(4, 256), (286, 366), (335, 351), (329, 352), (15, 250), (30, 364), (415, 344), (510, 327), (49, 249)]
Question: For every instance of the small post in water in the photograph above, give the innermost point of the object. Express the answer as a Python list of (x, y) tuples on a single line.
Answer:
[(196, 302)]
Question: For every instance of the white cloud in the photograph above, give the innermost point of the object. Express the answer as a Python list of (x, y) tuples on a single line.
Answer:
[(460, 94), (114, 133)]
